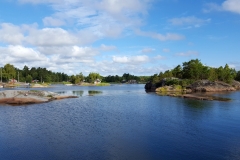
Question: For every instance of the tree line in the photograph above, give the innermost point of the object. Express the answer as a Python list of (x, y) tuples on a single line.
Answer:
[(28, 75), (9, 72), (187, 72), (194, 70)]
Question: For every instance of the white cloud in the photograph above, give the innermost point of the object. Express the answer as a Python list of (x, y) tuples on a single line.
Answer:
[(51, 37), (112, 68), (19, 54), (50, 21), (103, 18), (37, 1), (227, 5), (70, 54), (10, 33), (147, 50), (191, 20), (187, 54), (104, 47), (131, 59), (161, 37), (159, 57), (232, 6)]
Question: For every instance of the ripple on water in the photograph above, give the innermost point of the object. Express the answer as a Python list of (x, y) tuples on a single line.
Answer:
[(121, 122)]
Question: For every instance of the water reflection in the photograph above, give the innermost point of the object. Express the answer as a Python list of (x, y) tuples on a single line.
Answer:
[(116, 125), (61, 92), (92, 92), (78, 93), (196, 103)]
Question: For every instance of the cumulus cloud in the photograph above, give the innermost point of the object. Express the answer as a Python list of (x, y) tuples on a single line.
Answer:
[(10, 33), (70, 54), (112, 68), (232, 6), (103, 18), (191, 20), (51, 37), (227, 5), (161, 37), (131, 59), (20, 54), (50, 21), (187, 54), (69, 49)]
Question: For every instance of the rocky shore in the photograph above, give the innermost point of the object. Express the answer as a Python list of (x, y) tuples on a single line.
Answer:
[(208, 86), (196, 90), (18, 97)]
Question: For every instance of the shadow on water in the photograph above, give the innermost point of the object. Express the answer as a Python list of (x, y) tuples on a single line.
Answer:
[(92, 92), (198, 104), (61, 92), (78, 93)]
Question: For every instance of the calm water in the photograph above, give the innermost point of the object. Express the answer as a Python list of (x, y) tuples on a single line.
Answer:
[(121, 122)]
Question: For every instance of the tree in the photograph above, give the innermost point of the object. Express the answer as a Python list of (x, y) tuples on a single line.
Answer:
[(29, 79), (177, 72), (213, 76), (93, 76), (228, 74), (9, 72), (193, 69), (238, 76)]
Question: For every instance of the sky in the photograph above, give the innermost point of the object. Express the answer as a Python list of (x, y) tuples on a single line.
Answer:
[(113, 37)]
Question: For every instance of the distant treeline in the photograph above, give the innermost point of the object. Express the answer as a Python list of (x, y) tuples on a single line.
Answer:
[(9, 72), (39, 74), (186, 73), (194, 70)]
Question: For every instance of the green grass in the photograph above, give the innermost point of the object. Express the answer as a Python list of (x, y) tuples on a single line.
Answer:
[(103, 84), (66, 82)]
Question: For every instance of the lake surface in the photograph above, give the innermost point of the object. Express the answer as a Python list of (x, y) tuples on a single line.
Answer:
[(120, 122)]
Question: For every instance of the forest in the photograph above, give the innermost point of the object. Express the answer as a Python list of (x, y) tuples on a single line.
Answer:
[(194, 70), (39, 74), (186, 73)]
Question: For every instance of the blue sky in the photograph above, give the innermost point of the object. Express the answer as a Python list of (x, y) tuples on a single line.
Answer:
[(140, 37)]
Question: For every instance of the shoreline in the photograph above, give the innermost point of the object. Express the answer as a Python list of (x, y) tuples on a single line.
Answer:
[(21, 97)]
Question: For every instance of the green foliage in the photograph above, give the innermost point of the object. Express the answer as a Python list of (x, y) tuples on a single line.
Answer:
[(40, 74), (103, 84), (237, 76), (185, 82), (193, 69), (77, 79), (93, 77), (177, 72), (172, 82), (226, 74), (29, 79), (177, 87), (213, 75), (8, 72)]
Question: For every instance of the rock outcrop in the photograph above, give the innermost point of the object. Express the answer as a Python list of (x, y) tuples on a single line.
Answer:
[(236, 84), (208, 86), (150, 87), (17, 97)]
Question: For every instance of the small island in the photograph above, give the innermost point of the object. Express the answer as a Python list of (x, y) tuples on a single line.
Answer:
[(195, 80), (20, 97)]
